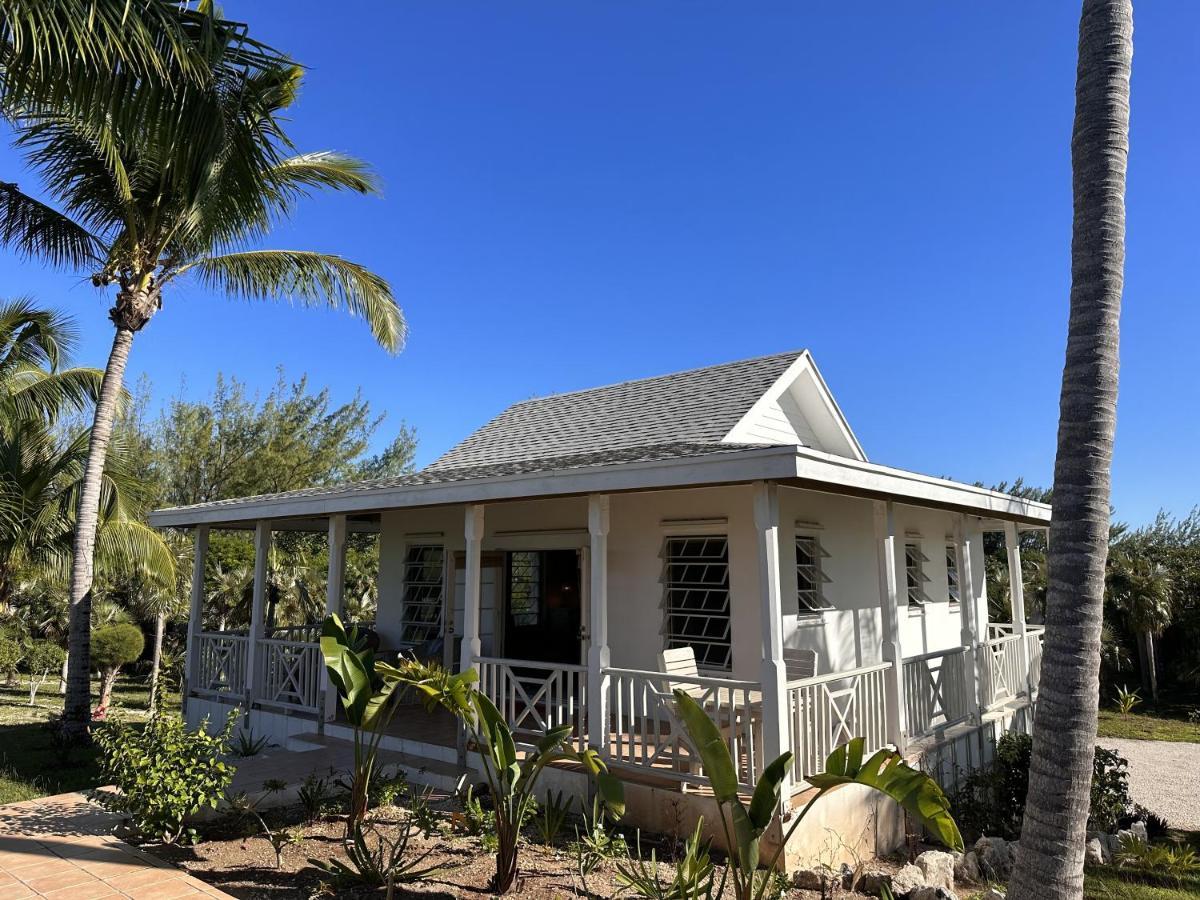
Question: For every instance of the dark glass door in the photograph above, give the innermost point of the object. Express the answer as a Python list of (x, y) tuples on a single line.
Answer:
[(542, 612)]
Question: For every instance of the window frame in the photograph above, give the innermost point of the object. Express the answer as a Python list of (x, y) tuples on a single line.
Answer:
[(818, 579), (437, 623), (672, 640), (917, 598), (953, 585)]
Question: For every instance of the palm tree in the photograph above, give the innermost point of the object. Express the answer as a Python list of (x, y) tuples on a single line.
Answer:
[(1142, 590), (142, 210), (230, 592), (1050, 864), (161, 604)]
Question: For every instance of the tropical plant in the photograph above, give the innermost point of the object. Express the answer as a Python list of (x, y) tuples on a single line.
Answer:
[(1160, 861), (374, 859), (112, 647), (1142, 590), (245, 744), (11, 654), (553, 817), (745, 824), (694, 877), (42, 658), (278, 838), (511, 781), (314, 793), (1127, 700), (163, 772), (1050, 864), (140, 209)]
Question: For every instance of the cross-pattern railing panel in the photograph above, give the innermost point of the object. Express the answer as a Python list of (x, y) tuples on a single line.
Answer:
[(647, 732), (290, 675), (536, 696), (221, 668), (1033, 650), (826, 711), (1008, 679), (936, 690)]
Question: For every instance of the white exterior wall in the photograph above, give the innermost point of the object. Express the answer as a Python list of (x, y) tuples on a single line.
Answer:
[(845, 637)]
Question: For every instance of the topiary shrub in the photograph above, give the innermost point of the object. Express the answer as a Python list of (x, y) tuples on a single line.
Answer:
[(112, 647), (42, 658), (163, 772), (11, 653)]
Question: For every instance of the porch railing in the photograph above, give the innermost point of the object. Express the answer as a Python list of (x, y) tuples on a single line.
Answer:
[(647, 733), (536, 696), (221, 669), (1033, 650), (289, 675), (936, 690), (828, 710), (309, 633), (1008, 678)]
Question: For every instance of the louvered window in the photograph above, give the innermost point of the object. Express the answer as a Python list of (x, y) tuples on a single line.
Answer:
[(696, 598), (524, 587), (423, 580), (810, 576), (952, 588), (914, 568)]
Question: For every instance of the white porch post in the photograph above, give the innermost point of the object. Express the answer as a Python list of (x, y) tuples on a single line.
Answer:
[(191, 665), (598, 656), (889, 609), (472, 646), (1016, 587), (776, 736), (335, 595), (979, 667), (262, 550)]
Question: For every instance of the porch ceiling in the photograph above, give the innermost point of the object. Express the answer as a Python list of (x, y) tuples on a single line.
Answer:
[(660, 467)]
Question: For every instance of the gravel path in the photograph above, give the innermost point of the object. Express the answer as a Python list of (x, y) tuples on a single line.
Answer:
[(1164, 776)]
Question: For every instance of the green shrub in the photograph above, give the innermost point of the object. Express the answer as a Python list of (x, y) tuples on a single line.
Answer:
[(11, 653), (43, 658), (112, 647), (991, 800), (163, 772)]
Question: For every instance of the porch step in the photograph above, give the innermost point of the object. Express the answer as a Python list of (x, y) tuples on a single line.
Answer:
[(395, 743)]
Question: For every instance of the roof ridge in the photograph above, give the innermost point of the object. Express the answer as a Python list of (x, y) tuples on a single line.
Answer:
[(796, 354)]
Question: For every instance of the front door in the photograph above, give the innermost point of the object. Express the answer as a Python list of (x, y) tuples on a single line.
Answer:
[(542, 608)]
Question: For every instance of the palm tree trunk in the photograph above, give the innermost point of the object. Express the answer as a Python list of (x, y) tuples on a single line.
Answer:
[(77, 707), (160, 624), (62, 678), (1151, 664), (1050, 861)]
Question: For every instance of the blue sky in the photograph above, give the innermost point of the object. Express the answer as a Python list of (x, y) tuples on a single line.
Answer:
[(583, 192)]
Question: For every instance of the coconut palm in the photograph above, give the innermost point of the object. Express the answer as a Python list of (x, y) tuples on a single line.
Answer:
[(141, 211), (230, 593), (1142, 590), (1050, 864)]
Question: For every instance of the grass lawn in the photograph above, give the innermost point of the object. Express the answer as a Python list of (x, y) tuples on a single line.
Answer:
[(1165, 722), (30, 763), (1109, 884)]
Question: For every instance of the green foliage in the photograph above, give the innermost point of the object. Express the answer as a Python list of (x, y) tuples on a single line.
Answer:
[(745, 824), (11, 654), (1160, 862), (1127, 700), (694, 877), (43, 656), (163, 772), (991, 799), (278, 838), (374, 859), (596, 843), (115, 645), (314, 795), (553, 817), (511, 781), (245, 744)]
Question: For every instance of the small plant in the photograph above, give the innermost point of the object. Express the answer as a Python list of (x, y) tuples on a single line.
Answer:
[(1110, 790), (1194, 716), (427, 819), (112, 647), (278, 838), (163, 772), (388, 790), (245, 744), (1127, 700), (376, 860), (553, 817), (314, 794), (43, 658), (1158, 861), (596, 843), (694, 879)]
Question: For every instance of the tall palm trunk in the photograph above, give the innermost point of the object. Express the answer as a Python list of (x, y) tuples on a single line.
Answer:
[(160, 625), (78, 703), (1050, 861)]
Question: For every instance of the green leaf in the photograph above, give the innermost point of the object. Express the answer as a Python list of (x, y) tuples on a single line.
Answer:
[(714, 754), (765, 802)]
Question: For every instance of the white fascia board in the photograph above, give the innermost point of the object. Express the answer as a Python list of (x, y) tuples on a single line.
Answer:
[(766, 463)]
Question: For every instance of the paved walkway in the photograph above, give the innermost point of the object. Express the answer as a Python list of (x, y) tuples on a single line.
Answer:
[(1164, 776), (62, 847)]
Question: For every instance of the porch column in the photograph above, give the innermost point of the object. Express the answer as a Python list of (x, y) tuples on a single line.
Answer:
[(262, 550), (776, 736), (335, 591), (598, 656), (191, 663), (978, 668), (889, 609), (1016, 588), (473, 532)]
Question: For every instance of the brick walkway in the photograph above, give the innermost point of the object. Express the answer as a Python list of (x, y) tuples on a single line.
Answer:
[(62, 847)]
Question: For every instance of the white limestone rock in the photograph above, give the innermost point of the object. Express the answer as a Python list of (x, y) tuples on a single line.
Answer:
[(995, 858), (967, 868), (907, 880), (992, 893), (1096, 852), (1140, 832), (932, 893), (938, 867)]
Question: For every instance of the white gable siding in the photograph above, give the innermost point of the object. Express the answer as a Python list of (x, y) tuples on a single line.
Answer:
[(780, 422)]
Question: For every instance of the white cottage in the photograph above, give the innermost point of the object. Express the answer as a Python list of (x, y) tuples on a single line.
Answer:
[(719, 529)]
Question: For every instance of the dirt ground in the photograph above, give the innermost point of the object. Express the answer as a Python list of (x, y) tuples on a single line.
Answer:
[(235, 857)]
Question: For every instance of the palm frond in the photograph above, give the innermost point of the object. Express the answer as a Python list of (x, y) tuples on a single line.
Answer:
[(323, 169), (33, 393), (132, 546), (309, 279), (33, 336), (35, 230)]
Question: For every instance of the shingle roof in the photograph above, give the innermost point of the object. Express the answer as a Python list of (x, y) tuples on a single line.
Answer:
[(699, 406), (653, 453)]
